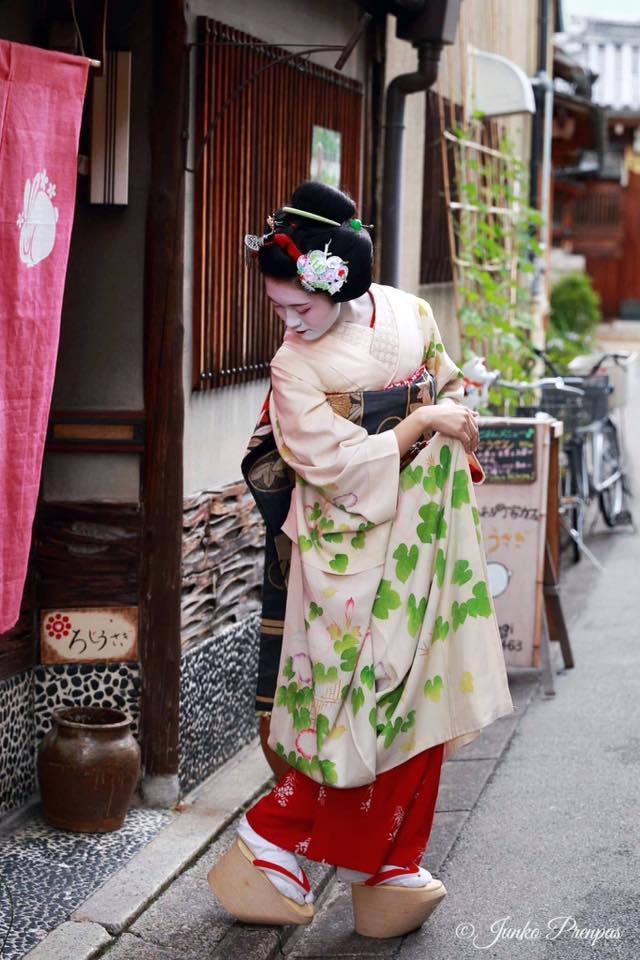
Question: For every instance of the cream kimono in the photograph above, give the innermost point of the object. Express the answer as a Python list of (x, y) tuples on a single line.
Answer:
[(390, 642)]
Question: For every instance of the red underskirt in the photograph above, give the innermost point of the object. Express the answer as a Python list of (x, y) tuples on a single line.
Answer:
[(362, 828)]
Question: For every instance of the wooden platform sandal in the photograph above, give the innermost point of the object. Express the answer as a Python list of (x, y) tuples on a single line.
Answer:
[(384, 910), (247, 893)]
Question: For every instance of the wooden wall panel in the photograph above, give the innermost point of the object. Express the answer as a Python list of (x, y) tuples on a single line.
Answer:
[(83, 554), (589, 219), (257, 153), (88, 554)]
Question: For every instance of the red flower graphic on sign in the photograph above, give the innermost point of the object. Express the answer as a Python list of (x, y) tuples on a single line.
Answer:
[(58, 626)]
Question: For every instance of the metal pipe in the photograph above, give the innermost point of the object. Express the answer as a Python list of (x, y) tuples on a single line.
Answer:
[(547, 137), (537, 126), (394, 126)]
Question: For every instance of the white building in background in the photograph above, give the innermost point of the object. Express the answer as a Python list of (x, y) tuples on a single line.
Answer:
[(610, 49)]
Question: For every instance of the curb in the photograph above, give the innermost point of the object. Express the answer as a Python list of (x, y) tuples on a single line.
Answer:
[(200, 818)]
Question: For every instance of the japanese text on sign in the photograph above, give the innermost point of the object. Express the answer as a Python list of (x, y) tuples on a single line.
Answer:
[(71, 636)]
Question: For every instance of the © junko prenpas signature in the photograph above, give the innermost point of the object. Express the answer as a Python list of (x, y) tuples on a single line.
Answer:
[(555, 927)]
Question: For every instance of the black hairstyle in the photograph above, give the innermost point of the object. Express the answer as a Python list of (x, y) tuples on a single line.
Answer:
[(354, 246)]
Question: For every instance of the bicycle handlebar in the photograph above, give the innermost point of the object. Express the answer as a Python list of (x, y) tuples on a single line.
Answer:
[(521, 386), (621, 359)]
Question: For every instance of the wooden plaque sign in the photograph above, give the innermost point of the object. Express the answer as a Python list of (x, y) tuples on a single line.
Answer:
[(89, 635), (507, 452)]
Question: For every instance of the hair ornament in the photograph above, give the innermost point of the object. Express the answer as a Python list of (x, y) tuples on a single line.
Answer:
[(311, 216), (320, 270), (253, 242), (357, 224), (286, 243), (252, 245)]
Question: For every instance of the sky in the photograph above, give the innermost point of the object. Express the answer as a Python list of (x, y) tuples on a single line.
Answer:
[(611, 10)]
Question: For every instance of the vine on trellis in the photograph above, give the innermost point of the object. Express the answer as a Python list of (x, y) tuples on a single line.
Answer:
[(496, 244)]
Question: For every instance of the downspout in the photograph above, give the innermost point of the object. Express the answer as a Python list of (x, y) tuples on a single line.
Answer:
[(542, 134), (537, 129), (398, 90)]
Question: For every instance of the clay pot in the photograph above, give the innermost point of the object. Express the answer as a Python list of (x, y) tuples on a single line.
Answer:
[(88, 768)]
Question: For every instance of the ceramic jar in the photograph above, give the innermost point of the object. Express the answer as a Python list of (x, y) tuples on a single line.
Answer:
[(88, 768)]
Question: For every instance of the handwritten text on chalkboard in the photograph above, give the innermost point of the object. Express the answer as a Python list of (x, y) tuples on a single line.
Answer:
[(508, 453)]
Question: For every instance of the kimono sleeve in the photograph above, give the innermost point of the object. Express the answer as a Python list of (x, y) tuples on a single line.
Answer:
[(330, 452), (449, 377)]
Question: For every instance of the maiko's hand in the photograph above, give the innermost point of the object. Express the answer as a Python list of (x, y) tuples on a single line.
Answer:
[(453, 420)]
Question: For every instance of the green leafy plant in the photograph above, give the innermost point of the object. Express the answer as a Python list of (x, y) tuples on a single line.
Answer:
[(575, 313), (496, 246)]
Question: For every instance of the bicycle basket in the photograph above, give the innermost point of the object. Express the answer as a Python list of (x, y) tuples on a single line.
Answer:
[(568, 407), (596, 396)]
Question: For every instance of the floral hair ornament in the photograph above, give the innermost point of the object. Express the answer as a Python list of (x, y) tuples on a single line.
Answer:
[(317, 269), (320, 270)]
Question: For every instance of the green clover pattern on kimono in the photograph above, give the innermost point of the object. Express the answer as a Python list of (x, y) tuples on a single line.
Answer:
[(391, 642)]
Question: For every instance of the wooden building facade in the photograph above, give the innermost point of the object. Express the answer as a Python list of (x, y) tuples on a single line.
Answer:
[(163, 365)]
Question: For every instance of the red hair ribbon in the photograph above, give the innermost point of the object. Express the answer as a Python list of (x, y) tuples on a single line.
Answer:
[(286, 243)]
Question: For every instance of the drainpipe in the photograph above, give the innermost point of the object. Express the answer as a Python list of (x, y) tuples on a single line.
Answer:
[(537, 129), (542, 134), (394, 126), (541, 156)]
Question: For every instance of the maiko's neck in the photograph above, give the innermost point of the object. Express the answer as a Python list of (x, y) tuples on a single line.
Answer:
[(359, 310)]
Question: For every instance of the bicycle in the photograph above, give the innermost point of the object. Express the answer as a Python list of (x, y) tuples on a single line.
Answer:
[(591, 455), (562, 402), (600, 440)]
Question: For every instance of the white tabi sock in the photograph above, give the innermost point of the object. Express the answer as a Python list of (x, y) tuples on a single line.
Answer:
[(265, 850), (410, 880)]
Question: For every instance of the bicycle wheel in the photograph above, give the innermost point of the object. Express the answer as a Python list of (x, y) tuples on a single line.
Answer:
[(578, 479), (565, 492), (572, 489), (611, 497)]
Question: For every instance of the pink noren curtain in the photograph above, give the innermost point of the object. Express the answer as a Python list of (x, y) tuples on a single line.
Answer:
[(41, 97)]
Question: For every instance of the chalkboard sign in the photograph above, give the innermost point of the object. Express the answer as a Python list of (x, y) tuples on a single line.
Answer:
[(507, 452)]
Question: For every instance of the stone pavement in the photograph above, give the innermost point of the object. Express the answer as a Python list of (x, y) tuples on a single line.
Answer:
[(536, 819), (142, 913)]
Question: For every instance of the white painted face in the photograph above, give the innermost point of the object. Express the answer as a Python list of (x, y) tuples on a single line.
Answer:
[(308, 314)]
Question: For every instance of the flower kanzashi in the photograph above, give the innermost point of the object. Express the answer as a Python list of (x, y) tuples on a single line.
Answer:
[(320, 270)]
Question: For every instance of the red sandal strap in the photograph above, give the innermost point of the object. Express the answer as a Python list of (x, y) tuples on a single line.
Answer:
[(384, 875), (304, 883)]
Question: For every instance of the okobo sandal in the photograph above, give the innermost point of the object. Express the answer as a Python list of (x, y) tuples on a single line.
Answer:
[(246, 892), (386, 910)]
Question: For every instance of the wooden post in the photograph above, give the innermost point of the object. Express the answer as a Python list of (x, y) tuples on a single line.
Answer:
[(164, 402), (555, 622)]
